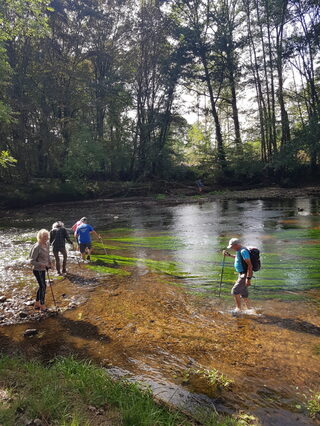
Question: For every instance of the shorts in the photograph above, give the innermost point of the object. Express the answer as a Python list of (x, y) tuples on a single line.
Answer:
[(240, 287), (83, 247)]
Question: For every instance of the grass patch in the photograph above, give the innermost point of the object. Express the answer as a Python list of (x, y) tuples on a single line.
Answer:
[(160, 197), (69, 392), (214, 378), (313, 405), (316, 349), (63, 394)]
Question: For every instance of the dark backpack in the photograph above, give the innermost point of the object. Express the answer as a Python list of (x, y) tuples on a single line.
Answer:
[(255, 259)]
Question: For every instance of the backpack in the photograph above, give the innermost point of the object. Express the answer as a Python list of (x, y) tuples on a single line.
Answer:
[(254, 257)]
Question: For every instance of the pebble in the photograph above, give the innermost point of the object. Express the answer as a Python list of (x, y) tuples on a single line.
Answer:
[(30, 332), (2, 299)]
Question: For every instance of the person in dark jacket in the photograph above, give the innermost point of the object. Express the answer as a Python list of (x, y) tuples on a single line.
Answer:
[(58, 237)]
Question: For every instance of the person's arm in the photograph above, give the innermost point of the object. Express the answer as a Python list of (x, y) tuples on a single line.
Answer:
[(34, 256), (226, 253), (51, 236), (94, 233), (66, 236), (249, 271)]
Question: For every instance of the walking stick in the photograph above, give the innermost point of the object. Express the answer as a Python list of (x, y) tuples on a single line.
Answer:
[(224, 256), (105, 251), (54, 300)]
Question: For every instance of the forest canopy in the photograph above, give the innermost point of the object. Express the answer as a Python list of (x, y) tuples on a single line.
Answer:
[(226, 90)]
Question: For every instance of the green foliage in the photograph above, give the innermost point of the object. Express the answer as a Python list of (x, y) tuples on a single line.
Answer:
[(84, 157), (6, 159), (62, 393), (313, 405), (214, 378), (316, 349), (23, 18)]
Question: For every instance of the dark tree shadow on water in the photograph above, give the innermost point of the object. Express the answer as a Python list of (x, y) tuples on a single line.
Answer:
[(83, 329), (54, 338), (289, 324)]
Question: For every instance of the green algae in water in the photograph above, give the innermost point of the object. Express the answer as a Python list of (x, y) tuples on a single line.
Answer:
[(289, 266), (166, 242), (106, 246), (169, 268), (108, 271)]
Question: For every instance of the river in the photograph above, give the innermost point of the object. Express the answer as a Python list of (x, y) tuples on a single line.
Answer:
[(148, 303)]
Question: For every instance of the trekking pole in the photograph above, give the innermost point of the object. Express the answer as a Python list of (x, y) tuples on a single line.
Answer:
[(224, 257), (50, 282), (105, 251)]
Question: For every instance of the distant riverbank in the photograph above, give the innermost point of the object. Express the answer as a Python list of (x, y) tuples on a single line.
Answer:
[(44, 191)]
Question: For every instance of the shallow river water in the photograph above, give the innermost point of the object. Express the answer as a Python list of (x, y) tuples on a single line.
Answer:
[(148, 303)]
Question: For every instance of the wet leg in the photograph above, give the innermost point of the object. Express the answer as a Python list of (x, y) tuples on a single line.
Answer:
[(237, 299), (246, 303), (56, 256), (65, 256)]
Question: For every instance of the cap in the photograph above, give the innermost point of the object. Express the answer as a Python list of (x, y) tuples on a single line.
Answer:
[(232, 242), (83, 219)]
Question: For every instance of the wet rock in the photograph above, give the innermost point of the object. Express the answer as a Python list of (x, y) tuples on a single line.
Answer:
[(30, 332), (23, 314), (35, 422), (2, 299), (97, 411)]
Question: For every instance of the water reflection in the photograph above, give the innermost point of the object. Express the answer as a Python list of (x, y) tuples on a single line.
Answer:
[(192, 236)]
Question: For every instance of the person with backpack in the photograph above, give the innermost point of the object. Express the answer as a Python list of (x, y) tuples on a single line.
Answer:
[(58, 237), (242, 265)]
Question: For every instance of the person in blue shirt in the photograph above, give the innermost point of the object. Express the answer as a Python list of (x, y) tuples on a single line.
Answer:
[(243, 265), (83, 234)]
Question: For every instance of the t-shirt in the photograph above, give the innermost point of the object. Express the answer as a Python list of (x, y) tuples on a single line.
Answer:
[(83, 233), (243, 253), (75, 226)]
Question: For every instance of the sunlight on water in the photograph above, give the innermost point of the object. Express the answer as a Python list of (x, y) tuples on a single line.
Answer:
[(189, 238)]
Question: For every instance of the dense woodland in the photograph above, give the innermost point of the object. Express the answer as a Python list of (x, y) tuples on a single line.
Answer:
[(103, 90)]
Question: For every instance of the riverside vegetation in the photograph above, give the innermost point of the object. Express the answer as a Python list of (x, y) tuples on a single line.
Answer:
[(71, 392)]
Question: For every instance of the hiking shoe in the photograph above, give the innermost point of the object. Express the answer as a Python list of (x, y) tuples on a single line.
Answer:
[(64, 271), (88, 257)]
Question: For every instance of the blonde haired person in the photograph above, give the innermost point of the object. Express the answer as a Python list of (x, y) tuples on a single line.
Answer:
[(40, 260)]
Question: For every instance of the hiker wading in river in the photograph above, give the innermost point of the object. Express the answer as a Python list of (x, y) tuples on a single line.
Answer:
[(83, 234), (58, 237), (243, 265), (40, 260)]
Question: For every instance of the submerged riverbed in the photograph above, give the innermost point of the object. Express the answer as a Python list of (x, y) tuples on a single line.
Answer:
[(148, 302)]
